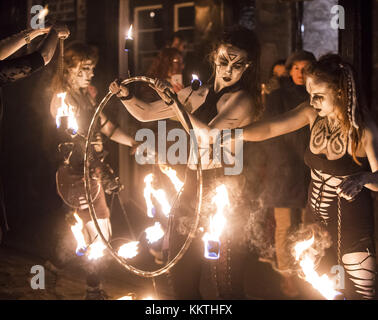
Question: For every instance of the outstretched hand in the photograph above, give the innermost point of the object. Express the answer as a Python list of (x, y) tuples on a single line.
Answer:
[(351, 186)]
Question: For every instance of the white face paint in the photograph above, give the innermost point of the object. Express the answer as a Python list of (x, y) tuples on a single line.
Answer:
[(323, 98), (230, 62), (82, 74)]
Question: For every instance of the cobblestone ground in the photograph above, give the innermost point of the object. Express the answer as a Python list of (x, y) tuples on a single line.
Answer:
[(60, 284)]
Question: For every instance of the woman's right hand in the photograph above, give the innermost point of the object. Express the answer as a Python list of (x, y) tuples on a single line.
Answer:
[(118, 89)]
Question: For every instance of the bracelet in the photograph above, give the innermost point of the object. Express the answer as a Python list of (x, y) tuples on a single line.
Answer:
[(114, 130), (26, 36), (169, 103)]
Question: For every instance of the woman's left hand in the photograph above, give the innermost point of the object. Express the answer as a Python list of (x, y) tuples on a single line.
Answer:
[(351, 186)]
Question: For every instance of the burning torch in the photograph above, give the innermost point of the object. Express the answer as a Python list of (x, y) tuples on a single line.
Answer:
[(129, 46), (195, 84)]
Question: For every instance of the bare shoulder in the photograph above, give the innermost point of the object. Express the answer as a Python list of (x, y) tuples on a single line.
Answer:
[(308, 111), (241, 100)]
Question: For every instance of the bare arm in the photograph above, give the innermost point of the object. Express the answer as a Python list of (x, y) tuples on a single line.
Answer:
[(115, 133), (10, 45), (47, 49), (141, 110), (370, 142), (290, 121)]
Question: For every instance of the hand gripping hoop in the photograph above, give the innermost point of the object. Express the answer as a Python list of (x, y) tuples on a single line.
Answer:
[(184, 119)]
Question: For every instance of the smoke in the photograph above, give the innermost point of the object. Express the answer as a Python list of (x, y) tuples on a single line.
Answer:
[(259, 232), (322, 241), (259, 235)]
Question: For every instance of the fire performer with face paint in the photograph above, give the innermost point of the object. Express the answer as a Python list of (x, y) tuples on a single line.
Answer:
[(79, 99), (343, 158), (231, 99)]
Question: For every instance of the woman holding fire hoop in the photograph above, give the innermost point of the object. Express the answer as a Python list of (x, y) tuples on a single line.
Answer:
[(230, 100), (343, 157)]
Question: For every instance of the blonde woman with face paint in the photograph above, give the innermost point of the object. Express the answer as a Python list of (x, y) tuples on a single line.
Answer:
[(343, 158), (230, 100)]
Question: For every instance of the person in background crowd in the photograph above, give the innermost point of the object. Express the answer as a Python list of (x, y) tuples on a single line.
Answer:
[(287, 177)]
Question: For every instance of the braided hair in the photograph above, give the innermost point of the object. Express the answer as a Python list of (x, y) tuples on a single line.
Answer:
[(340, 76)]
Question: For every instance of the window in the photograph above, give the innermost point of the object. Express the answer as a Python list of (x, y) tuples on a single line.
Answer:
[(148, 35), (184, 19)]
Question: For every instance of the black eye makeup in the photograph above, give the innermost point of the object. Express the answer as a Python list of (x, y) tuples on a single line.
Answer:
[(317, 98)]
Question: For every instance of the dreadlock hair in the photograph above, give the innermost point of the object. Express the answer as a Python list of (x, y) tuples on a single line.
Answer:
[(247, 40), (341, 78)]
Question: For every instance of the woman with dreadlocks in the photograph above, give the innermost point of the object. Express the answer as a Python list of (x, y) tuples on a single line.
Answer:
[(231, 99), (343, 158)]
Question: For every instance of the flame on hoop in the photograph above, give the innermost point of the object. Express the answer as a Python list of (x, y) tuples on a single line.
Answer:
[(154, 233), (129, 250), (96, 250), (172, 175), (159, 195)]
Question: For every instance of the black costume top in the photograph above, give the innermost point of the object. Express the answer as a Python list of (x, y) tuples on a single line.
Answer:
[(84, 108), (208, 111), (286, 176)]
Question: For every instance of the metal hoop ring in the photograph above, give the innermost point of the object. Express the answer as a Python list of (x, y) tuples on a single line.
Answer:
[(185, 123)]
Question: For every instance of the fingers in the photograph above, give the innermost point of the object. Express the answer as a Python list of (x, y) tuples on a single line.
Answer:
[(62, 31), (114, 87), (118, 89), (348, 189)]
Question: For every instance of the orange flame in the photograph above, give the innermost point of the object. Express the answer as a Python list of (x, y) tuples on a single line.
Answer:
[(306, 260), (129, 250), (43, 13), (66, 111), (154, 233), (130, 33), (159, 195), (96, 250), (218, 221), (172, 175), (77, 230)]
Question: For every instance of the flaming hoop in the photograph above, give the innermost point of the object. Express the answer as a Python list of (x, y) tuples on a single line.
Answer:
[(184, 119)]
